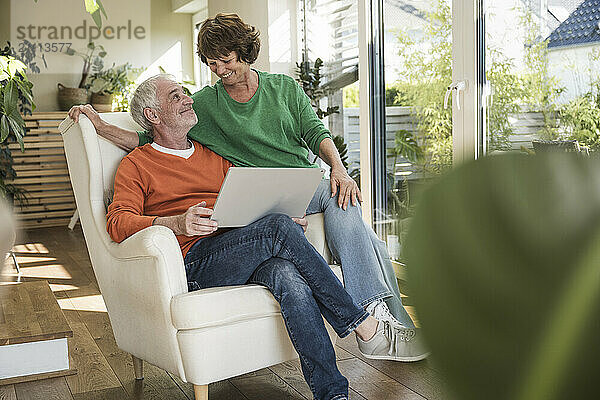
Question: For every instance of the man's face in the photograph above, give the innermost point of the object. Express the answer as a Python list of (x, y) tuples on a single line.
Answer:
[(175, 106)]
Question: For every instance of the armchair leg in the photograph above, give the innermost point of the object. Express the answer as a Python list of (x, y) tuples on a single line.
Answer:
[(138, 367), (201, 392)]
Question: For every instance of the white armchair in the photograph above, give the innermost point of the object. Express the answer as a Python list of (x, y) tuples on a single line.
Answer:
[(202, 336)]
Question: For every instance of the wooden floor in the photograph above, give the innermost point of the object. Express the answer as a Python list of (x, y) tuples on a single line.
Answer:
[(105, 372)]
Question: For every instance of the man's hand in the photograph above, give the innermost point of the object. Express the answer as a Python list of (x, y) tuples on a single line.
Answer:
[(194, 222), (348, 189), (123, 138), (89, 112), (303, 222)]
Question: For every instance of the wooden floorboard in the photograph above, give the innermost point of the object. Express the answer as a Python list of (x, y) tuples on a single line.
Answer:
[(266, 386), (47, 389), (420, 377), (60, 257), (373, 384), (7, 392)]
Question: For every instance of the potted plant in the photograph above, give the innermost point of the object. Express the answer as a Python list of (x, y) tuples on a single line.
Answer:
[(92, 62), (106, 83), (16, 98)]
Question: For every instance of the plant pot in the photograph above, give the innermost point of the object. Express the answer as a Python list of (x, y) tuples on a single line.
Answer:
[(102, 102), (69, 97)]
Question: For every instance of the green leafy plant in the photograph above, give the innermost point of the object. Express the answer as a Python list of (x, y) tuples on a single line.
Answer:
[(27, 54), (580, 119), (511, 243), (16, 97), (121, 99), (111, 80), (428, 73), (540, 89), (310, 80), (92, 61)]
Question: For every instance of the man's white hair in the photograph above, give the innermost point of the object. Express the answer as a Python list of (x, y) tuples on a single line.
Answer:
[(145, 97)]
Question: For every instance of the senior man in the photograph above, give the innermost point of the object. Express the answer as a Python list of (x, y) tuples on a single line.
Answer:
[(174, 182)]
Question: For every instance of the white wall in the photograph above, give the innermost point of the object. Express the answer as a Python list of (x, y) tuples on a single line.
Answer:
[(169, 43), (171, 38), (574, 68), (283, 36)]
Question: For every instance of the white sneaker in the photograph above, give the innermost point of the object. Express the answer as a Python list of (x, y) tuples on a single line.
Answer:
[(390, 343), (380, 311)]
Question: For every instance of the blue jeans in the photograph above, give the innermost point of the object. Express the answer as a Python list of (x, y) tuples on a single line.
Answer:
[(368, 271), (274, 252)]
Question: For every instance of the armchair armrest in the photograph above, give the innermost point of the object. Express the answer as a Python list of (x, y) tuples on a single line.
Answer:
[(145, 243), (159, 245)]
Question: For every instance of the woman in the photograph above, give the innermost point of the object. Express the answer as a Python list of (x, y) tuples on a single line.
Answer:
[(258, 119)]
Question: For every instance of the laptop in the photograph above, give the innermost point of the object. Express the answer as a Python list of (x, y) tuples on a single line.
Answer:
[(248, 194)]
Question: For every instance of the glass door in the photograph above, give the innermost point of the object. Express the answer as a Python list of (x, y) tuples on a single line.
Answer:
[(412, 141)]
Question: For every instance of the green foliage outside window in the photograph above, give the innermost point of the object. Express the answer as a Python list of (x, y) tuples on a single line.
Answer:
[(540, 89), (581, 120)]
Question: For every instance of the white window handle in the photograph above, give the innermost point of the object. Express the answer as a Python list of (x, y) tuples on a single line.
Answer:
[(458, 86)]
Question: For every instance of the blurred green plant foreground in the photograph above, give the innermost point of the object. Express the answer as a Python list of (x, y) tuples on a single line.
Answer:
[(505, 275)]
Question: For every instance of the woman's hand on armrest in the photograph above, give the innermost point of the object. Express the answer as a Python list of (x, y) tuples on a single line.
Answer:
[(123, 138)]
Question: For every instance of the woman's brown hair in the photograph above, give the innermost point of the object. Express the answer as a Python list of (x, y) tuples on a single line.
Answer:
[(225, 33)]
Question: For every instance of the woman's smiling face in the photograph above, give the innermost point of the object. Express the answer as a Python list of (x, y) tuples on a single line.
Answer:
[(229, 68)]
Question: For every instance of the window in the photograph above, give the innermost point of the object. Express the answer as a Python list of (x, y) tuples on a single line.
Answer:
[(412, 51), (330, 33)]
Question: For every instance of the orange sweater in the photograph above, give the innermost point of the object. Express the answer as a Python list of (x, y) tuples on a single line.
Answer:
[(151, 184)]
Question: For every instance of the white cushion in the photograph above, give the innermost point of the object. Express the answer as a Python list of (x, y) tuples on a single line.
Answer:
[(224, 305)]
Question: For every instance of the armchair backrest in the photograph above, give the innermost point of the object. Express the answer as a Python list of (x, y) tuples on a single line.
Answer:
[(93, 162)]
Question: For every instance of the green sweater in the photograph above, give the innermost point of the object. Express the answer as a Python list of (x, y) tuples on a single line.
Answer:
[(274, 128)]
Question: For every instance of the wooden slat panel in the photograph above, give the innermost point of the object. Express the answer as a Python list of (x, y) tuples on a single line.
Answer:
[(49, 179), (33, 201), (46, 131), (44, 215), (39, 159), (38, 152), (42, 172), (40, 166), (48, 187), (46, 115), (44, 223), (47, 207), (35, 195), (37, 145)]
